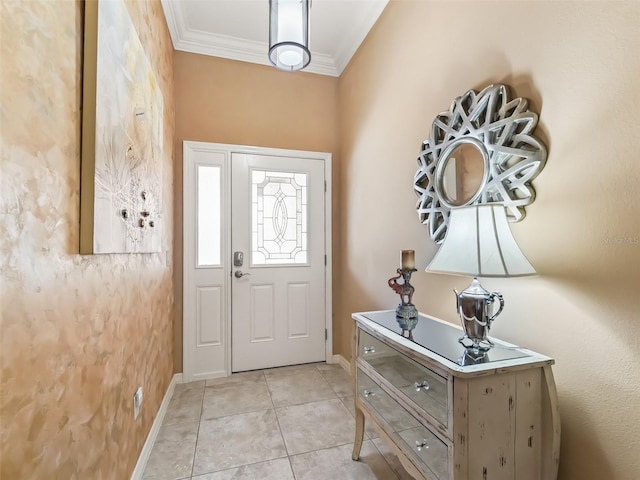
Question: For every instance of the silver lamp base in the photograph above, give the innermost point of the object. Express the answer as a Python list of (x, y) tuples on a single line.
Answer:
[(474, 306)]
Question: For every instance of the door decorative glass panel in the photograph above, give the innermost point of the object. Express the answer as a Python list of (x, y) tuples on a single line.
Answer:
[(279, 218)]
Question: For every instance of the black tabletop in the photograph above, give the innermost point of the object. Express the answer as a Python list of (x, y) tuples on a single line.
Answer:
[(442, 339)]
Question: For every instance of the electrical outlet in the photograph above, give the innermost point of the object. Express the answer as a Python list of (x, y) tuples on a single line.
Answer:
[(137, 402)]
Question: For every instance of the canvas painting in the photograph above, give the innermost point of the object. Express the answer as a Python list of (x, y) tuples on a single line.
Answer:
[(121, 191)]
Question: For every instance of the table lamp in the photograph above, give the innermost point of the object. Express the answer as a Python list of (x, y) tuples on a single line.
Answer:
[(479, 243)]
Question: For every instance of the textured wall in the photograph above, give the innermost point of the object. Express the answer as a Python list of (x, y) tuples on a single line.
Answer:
[(578, 64), (225, 101), (79, 333)]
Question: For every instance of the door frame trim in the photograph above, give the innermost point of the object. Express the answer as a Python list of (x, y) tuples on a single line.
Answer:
[(188, 333)]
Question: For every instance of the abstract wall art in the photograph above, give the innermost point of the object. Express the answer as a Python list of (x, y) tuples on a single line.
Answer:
[(122, 131)]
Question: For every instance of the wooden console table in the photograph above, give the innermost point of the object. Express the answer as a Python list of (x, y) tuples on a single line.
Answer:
[(450, 413)]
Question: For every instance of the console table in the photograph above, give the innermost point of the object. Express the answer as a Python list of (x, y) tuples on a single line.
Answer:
[(450, 413)]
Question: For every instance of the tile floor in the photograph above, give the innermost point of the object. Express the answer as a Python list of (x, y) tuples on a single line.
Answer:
[(291, 423)]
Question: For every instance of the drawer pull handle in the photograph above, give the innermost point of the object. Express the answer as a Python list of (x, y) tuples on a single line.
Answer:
[(422, 386), (420, 444), (368, 393), (369, 349)]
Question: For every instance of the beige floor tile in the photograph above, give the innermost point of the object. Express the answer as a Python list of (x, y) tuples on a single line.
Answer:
[(249, 395), (183, 409), (315, 425), (235, 378), (237, 440), (391, 459), (322, 367), (279, 469), (241, 436), (186, 389), (172, 454), (335, 463), (339, 379), (291, 369), (296, 387)]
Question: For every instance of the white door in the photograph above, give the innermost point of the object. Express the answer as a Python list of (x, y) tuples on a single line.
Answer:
[(272, 206), (278, 293)]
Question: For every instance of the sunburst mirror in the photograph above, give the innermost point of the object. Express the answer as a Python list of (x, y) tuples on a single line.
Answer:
[(480, 151)]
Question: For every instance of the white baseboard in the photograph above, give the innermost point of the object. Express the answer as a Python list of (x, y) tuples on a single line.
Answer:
[(343, 362), (155, 428)]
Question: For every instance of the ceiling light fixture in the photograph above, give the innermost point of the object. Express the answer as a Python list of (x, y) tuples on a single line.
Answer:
[(289, 34)]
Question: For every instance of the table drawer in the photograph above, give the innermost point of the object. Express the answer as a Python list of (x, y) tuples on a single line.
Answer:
[(403, 428), (422, 386), (381, 402), (428, 448)]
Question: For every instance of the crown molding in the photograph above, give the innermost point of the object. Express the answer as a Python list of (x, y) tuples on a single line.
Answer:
[(175, 20), (245, 51), (358, 33), (205, 43)]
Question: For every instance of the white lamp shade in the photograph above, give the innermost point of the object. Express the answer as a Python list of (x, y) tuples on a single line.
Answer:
[(479, 243), (289, 34)]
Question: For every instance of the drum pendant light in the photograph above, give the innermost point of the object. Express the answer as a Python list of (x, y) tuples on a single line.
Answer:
[(289, 34)]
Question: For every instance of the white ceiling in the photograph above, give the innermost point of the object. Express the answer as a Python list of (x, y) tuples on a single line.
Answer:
[(239, 29)]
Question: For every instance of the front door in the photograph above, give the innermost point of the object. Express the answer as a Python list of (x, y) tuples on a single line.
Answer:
[(256, 242), (278, 243)]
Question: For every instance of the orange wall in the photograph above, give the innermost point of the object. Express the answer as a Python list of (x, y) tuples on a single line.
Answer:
[(578, 64), (225, 101), (79, 333)]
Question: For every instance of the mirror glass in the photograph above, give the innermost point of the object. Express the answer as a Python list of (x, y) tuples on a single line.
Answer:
[(463, 174)]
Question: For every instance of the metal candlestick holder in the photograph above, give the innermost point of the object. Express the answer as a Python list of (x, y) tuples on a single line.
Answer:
[(406, 312)]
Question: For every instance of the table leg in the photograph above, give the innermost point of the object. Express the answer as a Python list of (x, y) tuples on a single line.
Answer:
[(357, 444)]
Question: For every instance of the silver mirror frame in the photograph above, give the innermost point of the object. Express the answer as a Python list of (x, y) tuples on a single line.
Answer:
[(502, 130)]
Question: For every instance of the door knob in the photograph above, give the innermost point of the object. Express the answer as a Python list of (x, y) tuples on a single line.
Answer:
[(239, 274)]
